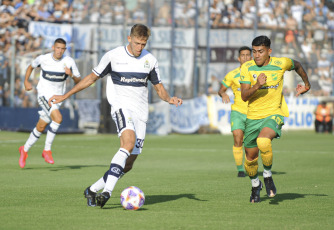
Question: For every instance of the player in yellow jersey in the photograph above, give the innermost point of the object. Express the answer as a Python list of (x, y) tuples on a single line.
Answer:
[(261, 85), (239, 107)]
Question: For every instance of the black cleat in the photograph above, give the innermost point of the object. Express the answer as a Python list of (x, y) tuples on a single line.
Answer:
[(270, 186), (255, 196), (241, 174), (102, 198), (90, 197)]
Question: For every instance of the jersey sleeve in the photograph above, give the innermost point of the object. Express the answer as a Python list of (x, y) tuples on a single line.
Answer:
[(154, 75), (245, 75), (288, 64), (36, 62), (74, 68), (227, 81), (104, 67)]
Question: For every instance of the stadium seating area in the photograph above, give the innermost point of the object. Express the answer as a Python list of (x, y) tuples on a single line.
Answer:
[(308, 28)]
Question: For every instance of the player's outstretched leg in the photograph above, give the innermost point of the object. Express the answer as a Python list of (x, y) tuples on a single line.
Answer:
[(270, 186), (91, 196), (23, 157), (255, 195), (102, 198)]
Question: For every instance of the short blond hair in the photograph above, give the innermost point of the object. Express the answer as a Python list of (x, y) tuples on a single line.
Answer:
[(140, 31)]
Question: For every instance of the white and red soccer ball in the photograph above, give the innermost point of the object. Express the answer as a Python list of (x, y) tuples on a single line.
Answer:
[(132, 198)]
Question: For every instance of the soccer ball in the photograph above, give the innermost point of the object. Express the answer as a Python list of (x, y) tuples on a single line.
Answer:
[(132, 198)]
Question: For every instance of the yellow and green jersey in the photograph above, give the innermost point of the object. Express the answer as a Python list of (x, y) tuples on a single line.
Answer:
[(268, 100), (232, 79)]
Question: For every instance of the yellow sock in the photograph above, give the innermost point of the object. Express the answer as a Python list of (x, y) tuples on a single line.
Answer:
[(238, 155), (264, 145), (251, 167)]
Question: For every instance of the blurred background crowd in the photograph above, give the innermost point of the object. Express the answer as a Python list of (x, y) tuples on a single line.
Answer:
[(306, 28)]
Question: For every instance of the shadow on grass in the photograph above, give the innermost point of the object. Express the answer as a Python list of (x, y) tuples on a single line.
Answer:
[(65, 167), (273, 172), (279, 198), (154, 199)]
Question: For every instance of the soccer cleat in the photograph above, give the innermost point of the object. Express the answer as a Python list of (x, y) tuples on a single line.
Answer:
[(255, 196), (47, 155), (241, 174), (270, 186), (90, 197), (23, 157), (102, 198)]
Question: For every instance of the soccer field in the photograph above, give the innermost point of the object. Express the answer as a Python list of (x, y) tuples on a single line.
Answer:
[(190, 182)]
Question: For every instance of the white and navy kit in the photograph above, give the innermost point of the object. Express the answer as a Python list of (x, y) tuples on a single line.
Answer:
[(127, 90), (52, 80)]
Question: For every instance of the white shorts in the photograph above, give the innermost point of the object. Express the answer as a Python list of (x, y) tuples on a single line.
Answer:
[(46, 109), (124, 119)]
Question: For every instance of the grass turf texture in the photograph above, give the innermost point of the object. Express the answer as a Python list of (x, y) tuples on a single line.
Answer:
[(190, 182)]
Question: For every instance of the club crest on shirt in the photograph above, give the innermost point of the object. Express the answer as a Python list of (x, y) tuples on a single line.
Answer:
[(274, 76), (146, 64)]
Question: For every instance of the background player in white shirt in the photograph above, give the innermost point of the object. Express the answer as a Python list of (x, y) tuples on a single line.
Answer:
[(130, 67), (55, 68)]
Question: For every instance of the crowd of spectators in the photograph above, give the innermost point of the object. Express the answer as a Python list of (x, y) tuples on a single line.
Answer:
[(307, 27)]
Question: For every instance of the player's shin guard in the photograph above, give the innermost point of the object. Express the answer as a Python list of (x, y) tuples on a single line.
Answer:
[(264, 145), (116, 169), (238, 155), (50, 136), (251, 167)]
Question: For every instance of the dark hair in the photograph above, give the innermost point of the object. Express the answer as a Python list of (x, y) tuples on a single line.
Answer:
[(140, 31), (245, 48), (261, 41), (60, 40)]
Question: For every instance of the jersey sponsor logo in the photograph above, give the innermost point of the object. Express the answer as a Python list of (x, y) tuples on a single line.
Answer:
[(270, 87), (54, 76), (133, 80), (254, 76)]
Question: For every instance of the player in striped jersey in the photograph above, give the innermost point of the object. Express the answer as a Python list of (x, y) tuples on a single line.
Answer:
[(55, 69), (128, 68), (239, 107), (261, 85)]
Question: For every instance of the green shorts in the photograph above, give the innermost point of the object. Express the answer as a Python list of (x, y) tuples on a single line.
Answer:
[(238, 120), (254, 127)]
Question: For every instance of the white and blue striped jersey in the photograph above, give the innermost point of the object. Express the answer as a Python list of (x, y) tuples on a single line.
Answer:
[(127, 84), (52, 79)]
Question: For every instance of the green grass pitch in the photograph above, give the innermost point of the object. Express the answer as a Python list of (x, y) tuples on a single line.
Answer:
[(190, 182)]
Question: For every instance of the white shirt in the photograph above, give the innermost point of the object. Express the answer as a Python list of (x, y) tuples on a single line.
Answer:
[(127, 86), (52, 79)]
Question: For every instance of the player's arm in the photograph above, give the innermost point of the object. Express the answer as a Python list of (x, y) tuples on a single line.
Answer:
[(27, 84), (247, 90), (301, 89), (222, 93), (83, 84), (69, 72), (163, 94)]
